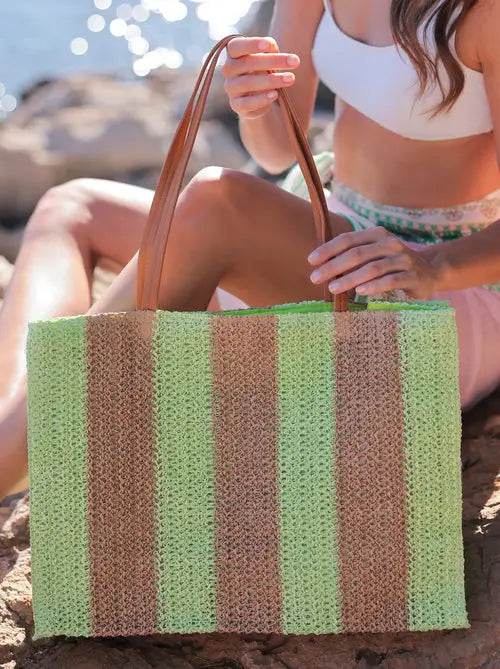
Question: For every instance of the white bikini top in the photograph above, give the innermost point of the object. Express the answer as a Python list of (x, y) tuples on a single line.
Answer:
[(382, 83)]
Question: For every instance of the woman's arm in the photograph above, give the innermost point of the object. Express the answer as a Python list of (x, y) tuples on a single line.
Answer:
[(374, 261), (475, 260), (262, 130)]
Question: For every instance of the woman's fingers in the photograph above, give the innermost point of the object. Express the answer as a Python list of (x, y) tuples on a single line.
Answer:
[(369, 272), (259, 62), (257, 83), (253, 106), (349, 240), (243, 46), (363, 257), (254, 73), (406, 281)]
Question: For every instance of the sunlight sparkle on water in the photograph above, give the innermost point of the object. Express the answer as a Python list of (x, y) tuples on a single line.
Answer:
[(173, 10), (140, 13), (96, 23), (79, 46), (222, 15), (132, 31), (138, 46), (102, 4), (161, 57), (8, 103), (118, 27), (124, 11)]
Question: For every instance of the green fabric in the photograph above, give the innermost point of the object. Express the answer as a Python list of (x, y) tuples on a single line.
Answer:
[(185, 477), (58, 485), (306, 470), (429, 353), (318, 307)]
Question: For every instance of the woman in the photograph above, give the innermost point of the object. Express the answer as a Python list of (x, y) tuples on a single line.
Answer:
[(422, 153)]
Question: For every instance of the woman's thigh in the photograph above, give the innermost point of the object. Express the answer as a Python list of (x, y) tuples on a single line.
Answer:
[(244, 234), (118, 215)]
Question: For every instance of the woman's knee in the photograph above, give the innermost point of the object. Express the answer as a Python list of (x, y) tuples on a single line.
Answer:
[(63, 207), (215, 204), (217, 188)]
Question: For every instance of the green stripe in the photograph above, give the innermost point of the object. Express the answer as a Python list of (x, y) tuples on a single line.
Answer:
[(429, 354), (308, 521), (58, 477), (185, 477)]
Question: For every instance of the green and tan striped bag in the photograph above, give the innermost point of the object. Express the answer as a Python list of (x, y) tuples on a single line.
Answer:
[(291, 470)]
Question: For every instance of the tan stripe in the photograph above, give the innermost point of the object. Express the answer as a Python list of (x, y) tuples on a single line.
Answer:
[(121, 473), (370, 473), (246, 491)]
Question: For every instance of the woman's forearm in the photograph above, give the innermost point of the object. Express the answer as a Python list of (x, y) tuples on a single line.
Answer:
[(467, 262), (266, 139)]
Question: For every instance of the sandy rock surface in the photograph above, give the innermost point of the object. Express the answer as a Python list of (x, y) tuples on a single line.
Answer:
[(477, 647), (101, 127)]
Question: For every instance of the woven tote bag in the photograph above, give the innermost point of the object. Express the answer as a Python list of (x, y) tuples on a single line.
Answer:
[(293, 469)]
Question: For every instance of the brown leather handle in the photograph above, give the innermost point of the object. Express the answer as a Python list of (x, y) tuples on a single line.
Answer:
[(155, 239)]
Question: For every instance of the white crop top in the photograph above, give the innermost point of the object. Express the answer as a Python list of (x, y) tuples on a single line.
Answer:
[(382, 84)]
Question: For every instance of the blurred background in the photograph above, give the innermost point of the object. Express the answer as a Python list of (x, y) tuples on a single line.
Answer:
[(96, 88)]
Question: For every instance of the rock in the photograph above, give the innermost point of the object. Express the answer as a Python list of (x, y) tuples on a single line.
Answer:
[(16, 616), (10, 243), (478, 646), (96, 127)]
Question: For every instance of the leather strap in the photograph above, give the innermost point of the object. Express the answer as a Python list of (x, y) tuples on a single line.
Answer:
[(156, 234)]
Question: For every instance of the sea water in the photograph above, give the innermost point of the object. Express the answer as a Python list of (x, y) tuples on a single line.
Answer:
[(46, 39)]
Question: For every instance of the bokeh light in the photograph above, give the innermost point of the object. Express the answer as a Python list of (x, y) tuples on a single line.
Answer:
[(132, 31), (8, 103), (140, 13), (138, 46), (222, 16), (124, 11), (79, 46), (96, 23), (162, 57), (102, 4), (118, 27), (173, 10)]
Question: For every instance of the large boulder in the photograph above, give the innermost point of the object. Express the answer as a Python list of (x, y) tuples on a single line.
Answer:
[(477, 647), (99, 127)]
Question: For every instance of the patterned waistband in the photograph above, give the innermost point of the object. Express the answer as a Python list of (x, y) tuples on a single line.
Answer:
[(424, 226)]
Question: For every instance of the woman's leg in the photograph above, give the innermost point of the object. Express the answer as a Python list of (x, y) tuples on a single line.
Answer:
[(74, 226), (238, 232), (232, 230)]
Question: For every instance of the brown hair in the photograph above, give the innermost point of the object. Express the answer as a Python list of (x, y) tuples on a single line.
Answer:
[(407, 18)]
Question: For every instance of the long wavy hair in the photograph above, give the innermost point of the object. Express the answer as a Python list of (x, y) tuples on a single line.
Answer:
[(408, 17)]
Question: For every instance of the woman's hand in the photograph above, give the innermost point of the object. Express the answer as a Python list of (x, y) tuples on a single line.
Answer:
[(250, 85), (373, 261)]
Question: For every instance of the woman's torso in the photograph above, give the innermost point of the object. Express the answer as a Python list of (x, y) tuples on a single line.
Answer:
[(382, 164)]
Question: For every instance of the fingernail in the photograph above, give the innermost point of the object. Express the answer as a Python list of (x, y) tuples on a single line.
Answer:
[(288, 78), (292, 60), (264, 45), (313, 257), (315, 276), (334, 286), (271, 95)]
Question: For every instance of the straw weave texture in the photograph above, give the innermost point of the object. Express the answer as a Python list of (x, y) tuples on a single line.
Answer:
[(286, 470)]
